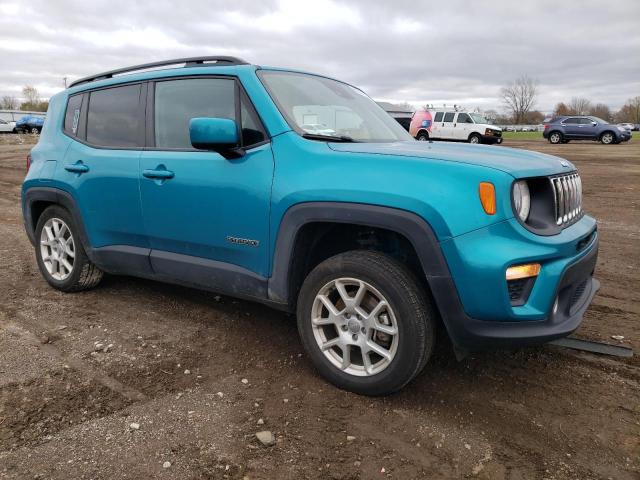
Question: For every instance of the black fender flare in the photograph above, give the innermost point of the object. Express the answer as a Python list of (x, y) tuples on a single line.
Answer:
[(408, 224), (58, 197)]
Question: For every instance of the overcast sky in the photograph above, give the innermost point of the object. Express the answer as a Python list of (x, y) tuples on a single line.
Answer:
[(402, 50)]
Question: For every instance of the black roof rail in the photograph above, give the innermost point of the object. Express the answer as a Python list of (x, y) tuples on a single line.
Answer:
[(188, 62)]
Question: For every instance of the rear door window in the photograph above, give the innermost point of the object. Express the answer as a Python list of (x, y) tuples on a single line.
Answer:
[(571, 121), (114, 118)]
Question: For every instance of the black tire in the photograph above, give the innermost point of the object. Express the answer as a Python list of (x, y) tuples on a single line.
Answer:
[(414, 315), (35, 130), (423, 137), (607, 138), (474, 138), (84, 274), (555, 137)]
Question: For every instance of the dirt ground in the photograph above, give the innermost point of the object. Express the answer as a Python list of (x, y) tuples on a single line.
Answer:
[(201, 374)]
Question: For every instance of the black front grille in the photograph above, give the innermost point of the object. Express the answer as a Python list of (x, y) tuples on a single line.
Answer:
[(519, 290), (577, 293), (515, 289)]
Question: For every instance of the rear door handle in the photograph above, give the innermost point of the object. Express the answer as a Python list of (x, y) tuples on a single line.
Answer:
[(158, 174), (77, 167)]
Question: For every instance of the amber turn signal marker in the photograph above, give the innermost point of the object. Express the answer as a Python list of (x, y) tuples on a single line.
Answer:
[(488, 197), (523, 271)]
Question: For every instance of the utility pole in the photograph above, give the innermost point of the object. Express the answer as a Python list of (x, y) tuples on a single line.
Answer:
[(64, 80)]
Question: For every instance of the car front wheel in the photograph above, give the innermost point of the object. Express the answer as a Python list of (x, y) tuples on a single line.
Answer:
[(474, 138), (365, 322), (607, 138), (422, 137)]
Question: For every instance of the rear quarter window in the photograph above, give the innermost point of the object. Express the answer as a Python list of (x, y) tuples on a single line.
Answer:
[(72, 115)]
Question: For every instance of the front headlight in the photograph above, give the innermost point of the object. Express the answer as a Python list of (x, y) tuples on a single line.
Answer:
[(521, 200), (622, 129)]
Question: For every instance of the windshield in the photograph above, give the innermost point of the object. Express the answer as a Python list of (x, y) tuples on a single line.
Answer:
[(478, 118), (319, 107)]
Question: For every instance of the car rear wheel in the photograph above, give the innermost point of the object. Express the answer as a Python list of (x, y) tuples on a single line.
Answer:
[(365, 322), (422, 137), (60, 255), (34, 130), (474, 138), (555, 137)]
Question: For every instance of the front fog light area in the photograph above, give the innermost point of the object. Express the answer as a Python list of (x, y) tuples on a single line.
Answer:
[(520, 281), (521, 200), (554, 310)]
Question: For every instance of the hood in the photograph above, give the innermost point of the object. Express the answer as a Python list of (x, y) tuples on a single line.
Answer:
[(516, 162)]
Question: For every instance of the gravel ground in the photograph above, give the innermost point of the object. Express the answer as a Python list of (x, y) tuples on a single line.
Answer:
[(188, 378)]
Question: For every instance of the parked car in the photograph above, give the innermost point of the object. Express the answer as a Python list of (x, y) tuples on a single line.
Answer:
[(30, 124), (11, 117), (204, 176), (566, 128), (628, 126), (453, 125), (6, 127)]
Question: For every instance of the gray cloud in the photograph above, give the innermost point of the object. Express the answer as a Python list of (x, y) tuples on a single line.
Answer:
[(435, 51)]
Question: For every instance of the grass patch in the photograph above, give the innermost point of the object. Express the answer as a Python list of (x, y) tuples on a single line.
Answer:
[(522, 135)]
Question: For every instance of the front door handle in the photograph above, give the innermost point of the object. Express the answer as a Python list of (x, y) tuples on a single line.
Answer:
[(77, 167), (159, 174)]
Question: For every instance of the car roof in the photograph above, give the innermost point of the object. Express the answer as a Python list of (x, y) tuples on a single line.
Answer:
[(224, 65)]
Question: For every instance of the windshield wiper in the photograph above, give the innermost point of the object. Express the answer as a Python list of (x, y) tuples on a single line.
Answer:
[(328, 138)]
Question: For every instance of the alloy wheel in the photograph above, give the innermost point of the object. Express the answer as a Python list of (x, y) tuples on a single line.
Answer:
[(57, 249), (355, 327)]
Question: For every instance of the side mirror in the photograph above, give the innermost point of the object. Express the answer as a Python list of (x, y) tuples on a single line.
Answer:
[(215, 134), (594, 123)]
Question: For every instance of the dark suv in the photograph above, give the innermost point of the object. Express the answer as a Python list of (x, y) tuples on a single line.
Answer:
[(565, 128)]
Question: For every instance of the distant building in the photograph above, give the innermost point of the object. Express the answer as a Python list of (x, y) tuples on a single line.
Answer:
[(401, 113)]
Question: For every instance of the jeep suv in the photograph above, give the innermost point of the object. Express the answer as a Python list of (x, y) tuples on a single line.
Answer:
[(204, 175), (566, 128)]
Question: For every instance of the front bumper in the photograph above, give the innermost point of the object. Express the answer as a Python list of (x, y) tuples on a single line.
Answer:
[(491, 139), (475, 305)]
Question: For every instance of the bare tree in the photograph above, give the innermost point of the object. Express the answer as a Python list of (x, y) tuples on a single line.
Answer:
[(520, 96), (9, 103), (601, 110), (562, 109), (579, 106), (30, 94), (630, 112)]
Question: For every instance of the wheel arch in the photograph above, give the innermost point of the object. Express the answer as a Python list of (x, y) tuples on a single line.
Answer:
[(292, 242), (425, 131), (37, 199)]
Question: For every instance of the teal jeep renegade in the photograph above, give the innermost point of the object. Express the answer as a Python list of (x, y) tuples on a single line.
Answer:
[(299, 191)]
